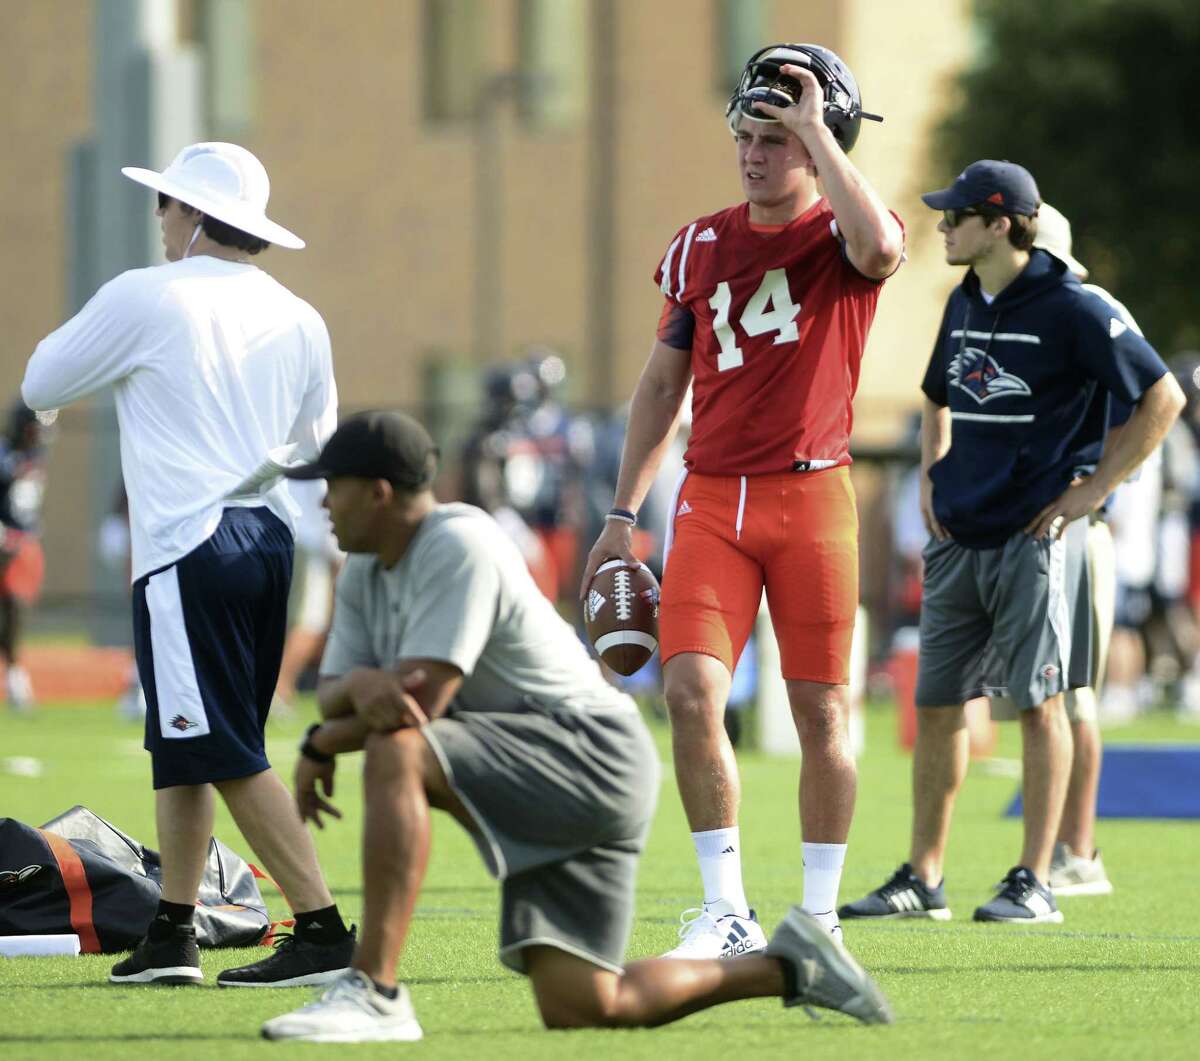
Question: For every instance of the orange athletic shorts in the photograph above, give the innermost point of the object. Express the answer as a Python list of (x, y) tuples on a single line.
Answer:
[(794, 534), (22, 566)]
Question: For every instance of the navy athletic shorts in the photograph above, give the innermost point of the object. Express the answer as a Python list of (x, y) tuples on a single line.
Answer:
[(208, 633)]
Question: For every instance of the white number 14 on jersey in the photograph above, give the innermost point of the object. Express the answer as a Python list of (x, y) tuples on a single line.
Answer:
[(756, 317)]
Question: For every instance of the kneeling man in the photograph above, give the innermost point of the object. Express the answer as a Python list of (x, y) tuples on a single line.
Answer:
[(469, 693)]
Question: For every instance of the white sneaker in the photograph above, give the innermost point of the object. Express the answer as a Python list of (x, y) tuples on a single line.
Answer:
[(350, 1010), (1072, 874), (703, 936), (18, 689)]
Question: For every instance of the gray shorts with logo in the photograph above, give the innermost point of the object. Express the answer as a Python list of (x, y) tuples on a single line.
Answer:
[(1016, 618), (562, 802)]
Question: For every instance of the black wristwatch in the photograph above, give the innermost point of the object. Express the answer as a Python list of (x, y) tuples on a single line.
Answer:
[(310, 751)]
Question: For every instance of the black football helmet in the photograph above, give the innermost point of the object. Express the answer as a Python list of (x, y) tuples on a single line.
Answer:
[(761, 81)]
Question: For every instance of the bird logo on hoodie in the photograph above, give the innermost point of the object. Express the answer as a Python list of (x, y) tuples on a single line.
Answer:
[(977, 372)]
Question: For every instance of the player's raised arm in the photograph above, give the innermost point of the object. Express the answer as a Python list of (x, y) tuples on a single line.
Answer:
[(874, 240)]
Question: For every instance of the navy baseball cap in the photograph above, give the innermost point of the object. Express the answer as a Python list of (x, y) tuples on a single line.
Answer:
[(1004, 186), (376, 445)]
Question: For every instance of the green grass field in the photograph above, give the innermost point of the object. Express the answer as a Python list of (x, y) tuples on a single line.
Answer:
[(1120, 978)]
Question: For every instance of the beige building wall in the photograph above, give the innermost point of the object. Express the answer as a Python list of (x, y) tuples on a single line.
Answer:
[(387, 200)]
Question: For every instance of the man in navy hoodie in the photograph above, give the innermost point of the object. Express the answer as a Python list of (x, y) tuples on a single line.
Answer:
[(1017, 397)]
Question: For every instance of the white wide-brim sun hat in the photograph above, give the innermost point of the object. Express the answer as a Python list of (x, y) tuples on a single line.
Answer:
[(1054, 235), (224, 181)]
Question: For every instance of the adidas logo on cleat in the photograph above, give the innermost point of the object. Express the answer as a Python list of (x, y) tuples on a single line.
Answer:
[(737, 942)]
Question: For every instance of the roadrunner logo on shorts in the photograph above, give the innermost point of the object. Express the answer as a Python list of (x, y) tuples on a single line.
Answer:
[(183, 724)]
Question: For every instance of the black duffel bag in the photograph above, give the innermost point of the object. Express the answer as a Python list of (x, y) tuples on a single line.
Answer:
[(80, 874)]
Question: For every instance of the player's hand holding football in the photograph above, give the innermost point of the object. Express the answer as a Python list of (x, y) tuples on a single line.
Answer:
[(615, 543), (1079, 499), (806, 116), (311, 804), (382, 699)]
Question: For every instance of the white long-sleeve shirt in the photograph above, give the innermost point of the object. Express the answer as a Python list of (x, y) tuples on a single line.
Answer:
[(221, 376)]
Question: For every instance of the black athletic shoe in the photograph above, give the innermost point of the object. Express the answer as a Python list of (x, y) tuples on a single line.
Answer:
[(175, 960), (295, 963), (904, 895), (1021, 899)]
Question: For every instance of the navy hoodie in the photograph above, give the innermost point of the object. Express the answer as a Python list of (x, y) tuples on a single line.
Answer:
[(1028, 381)]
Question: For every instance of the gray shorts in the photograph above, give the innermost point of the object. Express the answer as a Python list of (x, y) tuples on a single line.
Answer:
[(1100, 573), (562, 802), (1015, 618)]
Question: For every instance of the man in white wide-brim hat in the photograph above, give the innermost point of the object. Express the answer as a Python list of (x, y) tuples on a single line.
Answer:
[(222, 378)]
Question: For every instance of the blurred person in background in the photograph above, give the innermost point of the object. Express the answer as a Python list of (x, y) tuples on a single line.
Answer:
[(318, 559), (22, 563), (1155, 643), (523, 464), (1017, 398), (767, 310), (221, 378)]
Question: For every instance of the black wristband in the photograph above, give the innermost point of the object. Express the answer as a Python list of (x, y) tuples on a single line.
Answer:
[(309, 751), (623, 514)]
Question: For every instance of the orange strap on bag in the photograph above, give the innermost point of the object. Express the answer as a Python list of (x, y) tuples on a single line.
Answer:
[(269, 939), (79, 892)]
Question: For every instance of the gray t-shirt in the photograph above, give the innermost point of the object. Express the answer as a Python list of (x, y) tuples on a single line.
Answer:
[(461, 593)]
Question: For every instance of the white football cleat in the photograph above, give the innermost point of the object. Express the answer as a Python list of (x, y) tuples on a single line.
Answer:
[(701, 935), (350, 1010)]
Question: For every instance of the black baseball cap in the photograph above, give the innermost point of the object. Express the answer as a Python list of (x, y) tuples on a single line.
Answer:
[(1002, 185), (376, 445)]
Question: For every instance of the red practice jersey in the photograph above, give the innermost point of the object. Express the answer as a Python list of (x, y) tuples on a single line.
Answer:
[(780, 322)]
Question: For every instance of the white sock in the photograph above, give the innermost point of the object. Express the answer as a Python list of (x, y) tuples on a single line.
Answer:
[(822, 875), (719, 852)]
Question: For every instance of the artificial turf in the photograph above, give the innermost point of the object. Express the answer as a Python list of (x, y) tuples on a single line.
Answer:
[(1119, 978)]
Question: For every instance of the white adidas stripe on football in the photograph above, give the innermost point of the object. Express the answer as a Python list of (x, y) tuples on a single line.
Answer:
[(626, 637)]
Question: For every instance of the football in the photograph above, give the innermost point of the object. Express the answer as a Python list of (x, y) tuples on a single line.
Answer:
[(621, 615)]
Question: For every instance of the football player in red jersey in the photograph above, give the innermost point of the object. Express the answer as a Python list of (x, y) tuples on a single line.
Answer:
[(767, 309)]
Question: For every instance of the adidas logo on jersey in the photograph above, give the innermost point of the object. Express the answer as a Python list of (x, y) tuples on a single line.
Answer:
[(707, 236), (684, 509)]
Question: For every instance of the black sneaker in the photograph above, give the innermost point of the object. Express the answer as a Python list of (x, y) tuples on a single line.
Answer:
[(175, 960), (820, 972), (904, 895), (1021, 899), (295, 963)]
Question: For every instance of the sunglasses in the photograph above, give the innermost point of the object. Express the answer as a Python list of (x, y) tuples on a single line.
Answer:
[(163, 200), (954, 218)]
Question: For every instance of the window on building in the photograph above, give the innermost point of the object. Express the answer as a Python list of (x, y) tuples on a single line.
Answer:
[(553, 62), (742, 27), (225, 30), (454, 58)]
